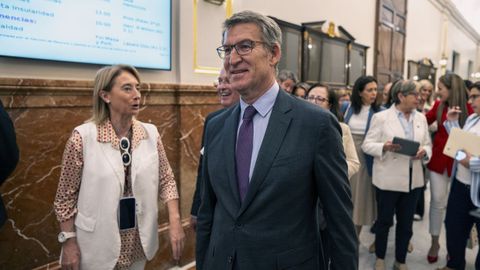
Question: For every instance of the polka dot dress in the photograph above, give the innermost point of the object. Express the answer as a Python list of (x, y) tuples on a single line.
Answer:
[(71, 175)]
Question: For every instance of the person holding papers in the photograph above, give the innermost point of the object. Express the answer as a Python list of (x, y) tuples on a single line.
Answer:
[(463, 196), (397, 176), (451, 92)]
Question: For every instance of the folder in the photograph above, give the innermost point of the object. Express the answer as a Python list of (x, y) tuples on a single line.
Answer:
[(408, 147), (462, 140)]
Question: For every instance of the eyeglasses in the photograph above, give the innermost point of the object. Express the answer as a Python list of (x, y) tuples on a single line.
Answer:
[(317, 99), (125, 147), (243, 48), (415, 94)]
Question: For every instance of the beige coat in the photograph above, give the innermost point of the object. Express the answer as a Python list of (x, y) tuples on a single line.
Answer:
[(350, 151), (391, 170)]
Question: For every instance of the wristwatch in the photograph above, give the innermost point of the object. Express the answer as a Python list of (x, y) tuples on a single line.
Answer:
[(64, 236)]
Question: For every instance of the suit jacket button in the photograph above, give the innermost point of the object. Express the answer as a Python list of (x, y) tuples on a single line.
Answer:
[(230, 259)]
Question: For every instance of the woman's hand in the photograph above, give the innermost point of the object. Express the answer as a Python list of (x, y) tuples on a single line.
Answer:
[(466, 161), (453, 113), (389, 146), (70, 255), (177, 238), (420, 154)]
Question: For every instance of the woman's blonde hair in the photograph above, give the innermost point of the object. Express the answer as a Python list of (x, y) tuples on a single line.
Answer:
[(424, 84), (104, 80)]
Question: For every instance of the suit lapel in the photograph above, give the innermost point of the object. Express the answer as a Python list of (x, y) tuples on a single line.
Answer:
[(229, 143), (394, 123), (115, 162), (417, 127), (276, 130)]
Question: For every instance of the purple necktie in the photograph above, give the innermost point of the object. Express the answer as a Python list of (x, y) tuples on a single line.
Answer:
[(243, 155)]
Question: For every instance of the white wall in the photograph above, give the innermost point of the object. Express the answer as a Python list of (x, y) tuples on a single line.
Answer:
[(425, 37), (424, 30), (358, 17), (462, 44)]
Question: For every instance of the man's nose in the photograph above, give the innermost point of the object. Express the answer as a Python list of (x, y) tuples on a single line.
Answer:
[(234, 58)]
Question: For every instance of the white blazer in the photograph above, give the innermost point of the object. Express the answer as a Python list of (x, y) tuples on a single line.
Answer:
[(391, 170)]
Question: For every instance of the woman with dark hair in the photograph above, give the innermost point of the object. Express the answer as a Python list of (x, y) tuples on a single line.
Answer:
[(357, 117), (326, 98), (452, 92)]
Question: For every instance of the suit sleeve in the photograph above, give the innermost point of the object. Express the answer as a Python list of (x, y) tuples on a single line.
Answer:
[(198, 186), (335, 195), (350, 152), (9, 153), (427, 144), (205, 212)]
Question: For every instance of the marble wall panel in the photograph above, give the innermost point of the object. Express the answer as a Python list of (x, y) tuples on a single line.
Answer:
[(44, 113)]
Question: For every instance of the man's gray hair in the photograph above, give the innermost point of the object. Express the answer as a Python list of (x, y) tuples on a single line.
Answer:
[(286, 74), (270, 30), (404, 87)]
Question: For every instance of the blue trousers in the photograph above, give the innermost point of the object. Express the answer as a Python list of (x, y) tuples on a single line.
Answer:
[(458, 224)]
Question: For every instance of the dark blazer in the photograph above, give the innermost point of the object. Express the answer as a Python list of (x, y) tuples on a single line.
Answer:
[(8, 154), (301, 159), (198, 187)]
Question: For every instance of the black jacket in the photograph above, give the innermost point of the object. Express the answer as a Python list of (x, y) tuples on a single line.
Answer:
[(8, 154)]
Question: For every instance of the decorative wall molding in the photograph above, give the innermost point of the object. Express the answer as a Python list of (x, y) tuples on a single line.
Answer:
[(46, 93), (448, 7)]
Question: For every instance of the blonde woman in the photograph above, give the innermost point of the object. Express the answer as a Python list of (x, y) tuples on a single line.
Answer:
[(426, 93), (113, 170)]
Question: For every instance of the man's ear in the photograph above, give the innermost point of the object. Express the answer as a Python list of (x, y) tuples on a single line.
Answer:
[(276, 54)]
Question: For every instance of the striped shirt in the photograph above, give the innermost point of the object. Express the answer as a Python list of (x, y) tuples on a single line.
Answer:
[(472, 125)]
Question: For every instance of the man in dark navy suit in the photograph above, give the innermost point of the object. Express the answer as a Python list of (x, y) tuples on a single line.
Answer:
[(267, 161), (8, 154)]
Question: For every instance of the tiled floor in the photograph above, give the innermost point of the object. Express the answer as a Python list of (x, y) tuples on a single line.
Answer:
[(417, 259), (421, 242)]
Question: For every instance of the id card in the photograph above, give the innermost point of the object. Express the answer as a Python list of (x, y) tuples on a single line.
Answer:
[(126, 213)]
